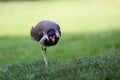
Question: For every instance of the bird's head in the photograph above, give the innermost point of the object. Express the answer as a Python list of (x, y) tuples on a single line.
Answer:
[(52, 38), (51, 35)]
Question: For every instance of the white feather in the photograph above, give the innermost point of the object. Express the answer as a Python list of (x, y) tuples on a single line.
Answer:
[(43, 38), (57, 34)]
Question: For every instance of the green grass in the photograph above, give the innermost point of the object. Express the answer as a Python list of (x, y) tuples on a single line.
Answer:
[(23, 49), (100, 67), (89, 28)]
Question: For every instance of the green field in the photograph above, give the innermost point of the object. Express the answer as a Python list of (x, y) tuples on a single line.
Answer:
[(89, 28), (102, 67)]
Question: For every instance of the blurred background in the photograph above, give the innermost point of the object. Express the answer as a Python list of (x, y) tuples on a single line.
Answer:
[(89, 27)]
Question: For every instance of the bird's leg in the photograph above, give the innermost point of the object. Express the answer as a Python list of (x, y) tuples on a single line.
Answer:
[(44, 55)]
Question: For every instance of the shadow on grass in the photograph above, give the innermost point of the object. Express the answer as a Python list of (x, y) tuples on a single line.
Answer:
[(23, 49)]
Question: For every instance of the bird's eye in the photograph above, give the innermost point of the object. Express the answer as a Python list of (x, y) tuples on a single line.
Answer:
[(50, 37)]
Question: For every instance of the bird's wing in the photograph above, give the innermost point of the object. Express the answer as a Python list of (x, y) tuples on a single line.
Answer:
[(36, 34)]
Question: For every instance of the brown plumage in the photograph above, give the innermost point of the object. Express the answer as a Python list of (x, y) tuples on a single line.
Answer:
[(47, 33), (42, 27)]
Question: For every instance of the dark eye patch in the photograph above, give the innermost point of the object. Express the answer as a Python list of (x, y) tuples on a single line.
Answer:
[(51, 32)]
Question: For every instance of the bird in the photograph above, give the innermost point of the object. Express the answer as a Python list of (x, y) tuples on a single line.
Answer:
[(47, 33)]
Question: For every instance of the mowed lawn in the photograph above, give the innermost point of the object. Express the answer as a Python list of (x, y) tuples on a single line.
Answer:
[(88, 28)]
